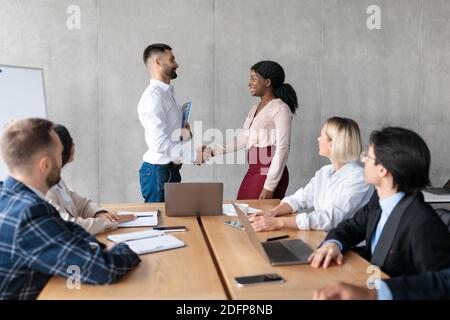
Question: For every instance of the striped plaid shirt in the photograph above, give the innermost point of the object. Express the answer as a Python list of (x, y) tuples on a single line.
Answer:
[(35, 243)]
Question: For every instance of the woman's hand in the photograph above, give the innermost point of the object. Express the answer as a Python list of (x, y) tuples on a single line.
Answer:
[(266, 194), (266, 223), (108, 216)]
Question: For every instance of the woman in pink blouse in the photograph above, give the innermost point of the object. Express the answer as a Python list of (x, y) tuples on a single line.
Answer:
[(266, 134)]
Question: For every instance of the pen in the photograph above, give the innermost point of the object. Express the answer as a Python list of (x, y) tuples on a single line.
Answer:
[(278, 238)]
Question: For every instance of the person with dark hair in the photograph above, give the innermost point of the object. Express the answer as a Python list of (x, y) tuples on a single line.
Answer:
[(161, 116), (74, 207), (266, 134), (35, 242), (403, 234)]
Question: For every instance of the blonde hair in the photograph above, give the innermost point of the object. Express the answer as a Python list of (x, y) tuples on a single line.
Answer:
[(346, 137)]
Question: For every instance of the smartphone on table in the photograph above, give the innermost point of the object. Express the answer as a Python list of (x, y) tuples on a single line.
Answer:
[(261, 278)]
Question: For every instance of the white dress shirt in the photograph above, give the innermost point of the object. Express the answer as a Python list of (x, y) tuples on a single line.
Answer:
[(161, 116), (334, 195)]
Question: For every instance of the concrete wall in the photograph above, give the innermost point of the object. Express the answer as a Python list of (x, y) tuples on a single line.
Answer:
[(398, 75)]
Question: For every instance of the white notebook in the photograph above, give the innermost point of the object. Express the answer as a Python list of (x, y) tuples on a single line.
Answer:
[(148, 245), (144, 219), (228, 210), (123, 237)]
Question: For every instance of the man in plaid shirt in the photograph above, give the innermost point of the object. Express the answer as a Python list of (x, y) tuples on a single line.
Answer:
[(35, 243)]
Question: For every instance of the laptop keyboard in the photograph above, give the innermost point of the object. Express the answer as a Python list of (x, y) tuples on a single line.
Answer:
[(278, 252)]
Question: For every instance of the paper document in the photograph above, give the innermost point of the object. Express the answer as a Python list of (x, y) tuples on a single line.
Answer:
[(123, 237), (186, 108), (144, 219), (228, 210), (154, 244)]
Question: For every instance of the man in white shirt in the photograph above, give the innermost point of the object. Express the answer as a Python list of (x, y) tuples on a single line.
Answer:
[(161, 117)]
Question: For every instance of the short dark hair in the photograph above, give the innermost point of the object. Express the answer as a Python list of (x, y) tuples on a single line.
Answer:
[(405, 155), (66, 140), (23, 139), (154, 49)]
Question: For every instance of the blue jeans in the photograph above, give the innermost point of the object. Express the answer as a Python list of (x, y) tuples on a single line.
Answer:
[(152, 178)]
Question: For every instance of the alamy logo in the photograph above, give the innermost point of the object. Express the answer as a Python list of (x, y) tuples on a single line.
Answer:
[(373, 282), (74, 20), (74, 280), (374, 20)]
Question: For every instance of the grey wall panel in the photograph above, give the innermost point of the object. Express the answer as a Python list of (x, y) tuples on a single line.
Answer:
[(398, 75), (435, 97), (126, 28), (372, 76), (288, 32), (34, 33)]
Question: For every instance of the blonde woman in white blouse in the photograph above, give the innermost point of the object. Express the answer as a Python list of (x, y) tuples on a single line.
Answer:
[(266, 134), (75, 208), (335, 192)]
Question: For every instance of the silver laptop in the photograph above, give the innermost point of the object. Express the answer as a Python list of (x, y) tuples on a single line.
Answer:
[(283, 252), (440, 191), (193, 199)]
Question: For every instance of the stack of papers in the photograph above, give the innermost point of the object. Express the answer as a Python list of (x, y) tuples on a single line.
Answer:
[(147, 241), (228, 210), (144, 219), (154, 244)]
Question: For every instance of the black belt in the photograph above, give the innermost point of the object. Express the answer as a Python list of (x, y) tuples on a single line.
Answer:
[(170, 165)]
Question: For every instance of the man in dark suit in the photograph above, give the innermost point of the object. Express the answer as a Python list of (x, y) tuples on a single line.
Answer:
[(431, 285), (403, 234)]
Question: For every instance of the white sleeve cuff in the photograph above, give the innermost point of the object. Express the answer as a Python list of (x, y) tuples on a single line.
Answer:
[(292, 202), (302, 221), (383, 291)]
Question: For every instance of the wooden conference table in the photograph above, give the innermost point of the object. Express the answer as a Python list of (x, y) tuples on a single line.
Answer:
[(206, 267)]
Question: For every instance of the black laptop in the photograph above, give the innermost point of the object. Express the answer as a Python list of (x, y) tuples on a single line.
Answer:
[(441, 191), (284, 252)]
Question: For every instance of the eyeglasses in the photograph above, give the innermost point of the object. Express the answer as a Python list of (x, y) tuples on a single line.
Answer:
[(364, 156)]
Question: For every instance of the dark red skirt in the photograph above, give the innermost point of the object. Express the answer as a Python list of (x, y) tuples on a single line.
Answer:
[(259, 160)]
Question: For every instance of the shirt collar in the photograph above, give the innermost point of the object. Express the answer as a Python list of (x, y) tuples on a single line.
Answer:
[(343, 170), (388, 204), (164, 86), (40, 194)]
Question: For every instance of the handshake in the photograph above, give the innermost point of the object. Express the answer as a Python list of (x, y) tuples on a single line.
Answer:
[(204, 153)]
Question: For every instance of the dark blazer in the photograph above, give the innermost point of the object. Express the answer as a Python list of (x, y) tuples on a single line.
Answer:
[(431, 285), (414, 239)]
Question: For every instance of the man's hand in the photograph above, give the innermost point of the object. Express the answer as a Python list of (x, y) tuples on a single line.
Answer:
[(199, 158), (266, 223), (186, 133), (325, 255), (108, 216), (344, 291), (266, 194)]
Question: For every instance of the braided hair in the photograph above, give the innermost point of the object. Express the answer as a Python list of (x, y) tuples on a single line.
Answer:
[(273, 71)]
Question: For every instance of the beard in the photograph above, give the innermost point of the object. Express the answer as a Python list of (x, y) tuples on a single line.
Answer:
[(54, 177), (170, 72)]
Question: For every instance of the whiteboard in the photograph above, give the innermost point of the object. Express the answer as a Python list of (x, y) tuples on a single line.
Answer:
[(22, 95)]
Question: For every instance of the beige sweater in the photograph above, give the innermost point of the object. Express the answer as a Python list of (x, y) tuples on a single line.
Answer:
[(78, 209)]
